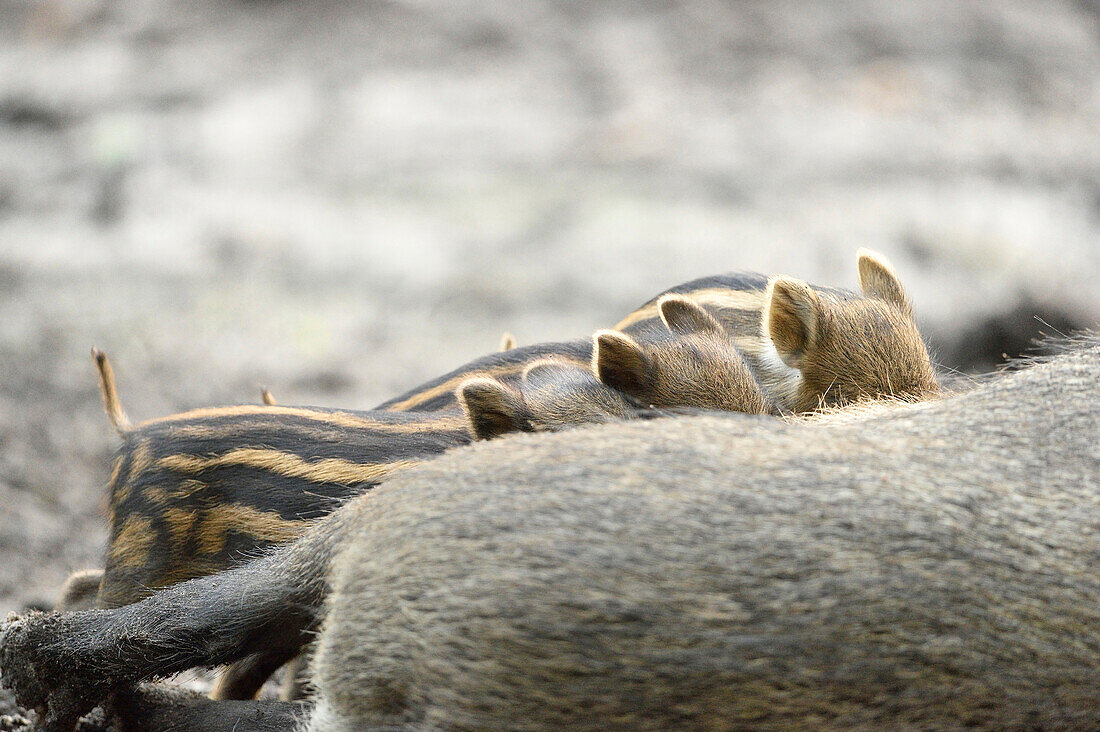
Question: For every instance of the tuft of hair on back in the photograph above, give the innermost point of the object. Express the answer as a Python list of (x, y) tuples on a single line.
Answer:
[(791, 318), (267, 398), (877, 278), (109, 392), (856, 412), (507, 341), (491, 408), (683, 316), (619, 361)]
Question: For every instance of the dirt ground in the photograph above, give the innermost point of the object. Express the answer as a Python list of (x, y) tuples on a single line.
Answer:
[(339, 200)]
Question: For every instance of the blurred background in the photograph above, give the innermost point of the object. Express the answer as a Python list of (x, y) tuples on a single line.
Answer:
[(339, 200)]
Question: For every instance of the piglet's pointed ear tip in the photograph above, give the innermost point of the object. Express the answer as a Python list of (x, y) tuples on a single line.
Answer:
[(787, 288), (868, 261), (878, 278), (865, 252), (607, 343), (607, 334), (479, 387), (673, 298), (685, 316)]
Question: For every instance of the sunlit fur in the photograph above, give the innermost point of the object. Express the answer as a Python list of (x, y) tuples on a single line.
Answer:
[(194, 493), (865, 349), (693, 364), (846, 349), (551, 394)]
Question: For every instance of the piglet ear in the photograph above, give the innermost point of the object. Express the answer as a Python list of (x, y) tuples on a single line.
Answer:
[(619, 362), (548, 371), (491, 408), (507, 341), (878, 279), (685, 317), (791, 318)]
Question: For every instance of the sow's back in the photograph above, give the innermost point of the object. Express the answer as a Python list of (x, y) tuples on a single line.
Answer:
[(930, 566)]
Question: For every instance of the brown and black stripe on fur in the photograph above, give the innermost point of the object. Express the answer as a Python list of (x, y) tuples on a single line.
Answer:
[(735, 299), (196, 492), (691, 363), (811, 346), (193, 493), (869, 345), (438, 394)]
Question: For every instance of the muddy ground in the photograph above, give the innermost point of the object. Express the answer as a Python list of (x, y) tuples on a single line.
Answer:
[(339, 200)]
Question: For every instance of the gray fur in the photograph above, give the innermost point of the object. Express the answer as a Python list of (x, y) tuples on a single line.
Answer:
[(932, 567)]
